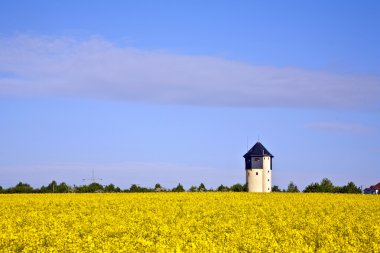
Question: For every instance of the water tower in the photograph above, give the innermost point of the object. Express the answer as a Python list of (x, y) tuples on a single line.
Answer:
[(258, 169)]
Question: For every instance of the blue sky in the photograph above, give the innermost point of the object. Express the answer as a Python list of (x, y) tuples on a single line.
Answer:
[(168, 91)]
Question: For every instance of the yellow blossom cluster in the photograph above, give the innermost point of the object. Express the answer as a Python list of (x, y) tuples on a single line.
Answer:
[(189, 222)]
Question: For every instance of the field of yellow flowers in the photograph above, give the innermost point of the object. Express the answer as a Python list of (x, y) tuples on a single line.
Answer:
[(189, 222)]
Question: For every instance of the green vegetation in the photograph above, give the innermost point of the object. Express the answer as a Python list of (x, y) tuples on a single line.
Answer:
[(324, 186), (292, 187), (327, 186)]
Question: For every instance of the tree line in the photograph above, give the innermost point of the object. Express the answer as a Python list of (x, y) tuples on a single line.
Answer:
[(55, 187), (324, 186)]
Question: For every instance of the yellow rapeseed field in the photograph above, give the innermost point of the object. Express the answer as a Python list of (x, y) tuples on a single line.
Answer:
[(189, 222)]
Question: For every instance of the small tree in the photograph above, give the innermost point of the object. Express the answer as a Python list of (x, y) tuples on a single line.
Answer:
[(223, 188), (134, 188), (313, 187), (202, 188), (275, 188), (81, 188), (21, 188), (95, 187), (158, 188), (351, 188), (52, 187), (237, 188), (63, 188), (326, 185), (193, 189), (292, 187), (111, 188), (178, 188)]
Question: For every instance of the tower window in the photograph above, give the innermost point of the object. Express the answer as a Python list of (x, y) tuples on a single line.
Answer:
[(268, 180), (268, 171), (257, 173)]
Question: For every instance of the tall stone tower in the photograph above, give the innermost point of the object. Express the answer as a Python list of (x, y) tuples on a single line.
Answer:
[(258, 169)]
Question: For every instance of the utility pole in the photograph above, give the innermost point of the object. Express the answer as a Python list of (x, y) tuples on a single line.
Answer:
[(93, 179)]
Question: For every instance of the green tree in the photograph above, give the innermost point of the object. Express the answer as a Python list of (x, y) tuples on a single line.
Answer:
[(134, 188), (55, 187), (193, 189), (21, 188), (313, 187), (158, 188), (275, 188), (52, 187), (351, 188), (223, 188), (178, 188), (81, 189), (326, 185), (237, 188), (292, 187), (63, 188), (111, 188), (95, 187), (202, 188)]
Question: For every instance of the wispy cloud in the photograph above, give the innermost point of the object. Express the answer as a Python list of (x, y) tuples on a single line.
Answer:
[(94, 67), (342, 127)]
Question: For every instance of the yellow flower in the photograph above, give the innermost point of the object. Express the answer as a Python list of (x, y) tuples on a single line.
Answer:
[(189, 222)]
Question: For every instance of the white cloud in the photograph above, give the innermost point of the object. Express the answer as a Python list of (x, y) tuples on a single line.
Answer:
[(342, 127), (94, 67)]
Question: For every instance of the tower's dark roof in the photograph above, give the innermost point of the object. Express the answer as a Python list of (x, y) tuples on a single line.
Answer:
[(258, 150)]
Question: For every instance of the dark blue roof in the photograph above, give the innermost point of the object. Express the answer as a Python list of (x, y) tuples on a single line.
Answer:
[(258, 150)]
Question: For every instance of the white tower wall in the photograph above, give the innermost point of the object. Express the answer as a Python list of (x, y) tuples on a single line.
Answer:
[(267, 174), (254, 180)]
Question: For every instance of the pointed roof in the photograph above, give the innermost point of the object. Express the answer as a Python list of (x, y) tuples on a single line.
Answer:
[(258, 150)]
